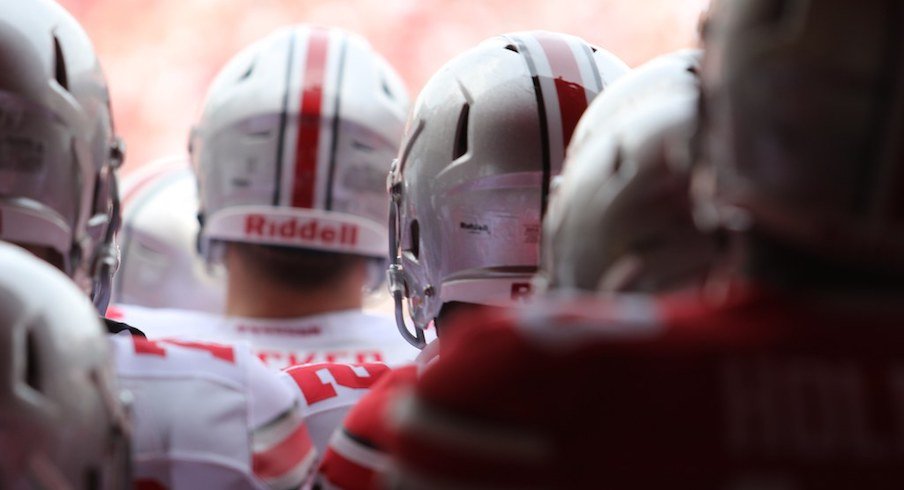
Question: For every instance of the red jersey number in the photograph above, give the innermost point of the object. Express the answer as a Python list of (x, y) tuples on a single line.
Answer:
[(158, 348), (317, 381)]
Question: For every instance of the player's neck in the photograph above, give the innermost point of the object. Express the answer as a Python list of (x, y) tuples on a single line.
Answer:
[(249, 296)]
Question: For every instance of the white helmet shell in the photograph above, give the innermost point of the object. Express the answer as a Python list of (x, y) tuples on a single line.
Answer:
[(676, 71), (800, 131), (486, 135), (160, 265), (297, 135), (62, 421), (621, 217), (57, 147)]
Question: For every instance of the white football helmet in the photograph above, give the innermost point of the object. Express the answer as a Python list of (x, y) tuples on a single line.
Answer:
[(57, 146), (160, 265), (620, 218), (295, 141), (470, 186), (62, 421), (803, 106), (676, 71)]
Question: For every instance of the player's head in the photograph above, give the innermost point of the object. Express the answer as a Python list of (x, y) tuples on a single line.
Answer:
[(803, 110), (62, 421), (620, 217), (160, 266), (470, 186), (292, 151), (57, 146)]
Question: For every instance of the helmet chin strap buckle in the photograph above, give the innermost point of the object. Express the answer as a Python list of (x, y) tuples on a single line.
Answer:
[(396, 279), (395, 275)]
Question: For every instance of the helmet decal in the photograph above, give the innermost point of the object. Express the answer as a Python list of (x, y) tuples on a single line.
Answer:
[(299, 127), (620, 217), (309, 125), (485, 138), (561, 86)]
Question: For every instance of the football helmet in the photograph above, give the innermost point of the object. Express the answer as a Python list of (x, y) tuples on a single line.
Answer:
[(470, 186), (678, 70), (621, 217), (801, 128), (58, 151), (297, 135), (63, 423), (160, 265)]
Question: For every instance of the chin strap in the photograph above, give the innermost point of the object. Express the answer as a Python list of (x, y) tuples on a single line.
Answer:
[(106, 265), (395, 275), (396, 286), (107, 260)]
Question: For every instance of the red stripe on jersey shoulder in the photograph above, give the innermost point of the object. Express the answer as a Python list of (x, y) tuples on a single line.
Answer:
[(341, 472), (367, 423), (283, 457), (568, 81), (308, 143)]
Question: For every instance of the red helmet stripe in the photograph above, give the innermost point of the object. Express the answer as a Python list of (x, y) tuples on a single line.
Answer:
[(568, 81), (307, 146)]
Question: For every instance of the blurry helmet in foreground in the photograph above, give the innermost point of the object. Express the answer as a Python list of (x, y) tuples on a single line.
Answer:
[(62, 424), (803, 112), (470, 186), (621, 216), (295, 141), (57, 146), (160, 265)]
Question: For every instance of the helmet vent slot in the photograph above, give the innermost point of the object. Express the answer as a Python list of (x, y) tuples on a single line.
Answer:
[(362, 146), (32, 363), (247, 74), (617, 161), (59, 64), (386, 90), (461, 133), (415, 239), (512, 48)]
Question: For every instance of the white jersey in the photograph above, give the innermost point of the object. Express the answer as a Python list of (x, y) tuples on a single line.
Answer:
[(350, 336), (210, 416), (328, 391)]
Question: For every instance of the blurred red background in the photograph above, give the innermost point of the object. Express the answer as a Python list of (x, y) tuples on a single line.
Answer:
[(159, 55)]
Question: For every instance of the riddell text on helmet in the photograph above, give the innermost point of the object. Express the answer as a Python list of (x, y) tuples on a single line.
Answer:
[(309, 231)]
